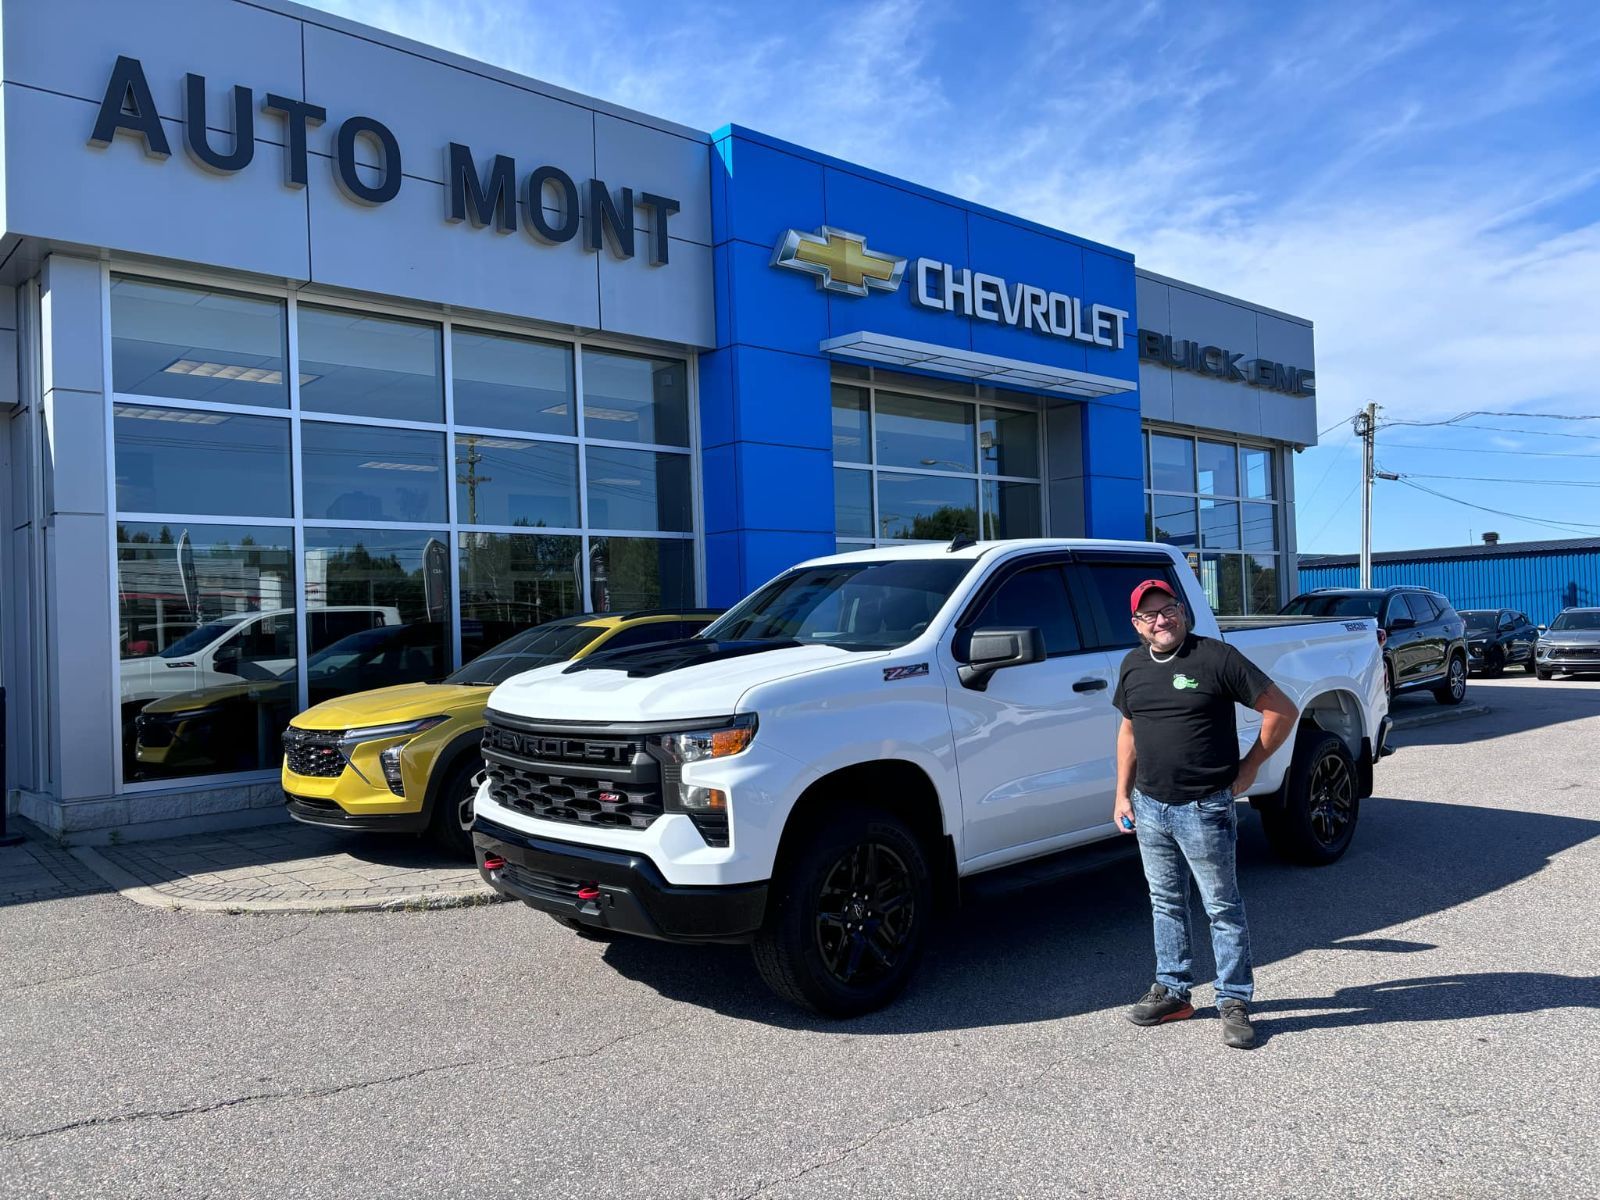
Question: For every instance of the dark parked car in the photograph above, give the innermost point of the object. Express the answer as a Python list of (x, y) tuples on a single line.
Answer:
[(1571, 645), (1423, 638), (1498, 638)]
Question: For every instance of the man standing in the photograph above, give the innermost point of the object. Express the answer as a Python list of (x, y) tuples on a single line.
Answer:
[(1178, 775)]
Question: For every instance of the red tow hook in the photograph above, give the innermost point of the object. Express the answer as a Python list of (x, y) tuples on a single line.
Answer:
[(588, 891), (493, 862)]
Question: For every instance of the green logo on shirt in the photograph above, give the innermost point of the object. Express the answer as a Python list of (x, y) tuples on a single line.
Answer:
[(1183, 682)]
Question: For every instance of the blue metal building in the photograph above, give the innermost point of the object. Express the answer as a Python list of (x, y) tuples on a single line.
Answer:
[(1538, 578)]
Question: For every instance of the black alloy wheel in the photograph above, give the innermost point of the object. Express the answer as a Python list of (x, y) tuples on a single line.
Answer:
[(1317, 819), (847, 914), (866, 914), (1333, 793)]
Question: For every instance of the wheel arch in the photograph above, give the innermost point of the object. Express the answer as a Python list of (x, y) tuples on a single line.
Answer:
[(446, 762), (900, 787)]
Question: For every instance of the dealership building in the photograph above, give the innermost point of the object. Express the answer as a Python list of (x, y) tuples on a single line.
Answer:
[(317, 339)]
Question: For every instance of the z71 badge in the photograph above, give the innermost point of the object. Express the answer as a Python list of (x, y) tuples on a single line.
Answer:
[(890, 674)]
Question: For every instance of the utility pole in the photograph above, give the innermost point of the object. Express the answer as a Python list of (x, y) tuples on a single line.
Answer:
[(1366, 424)]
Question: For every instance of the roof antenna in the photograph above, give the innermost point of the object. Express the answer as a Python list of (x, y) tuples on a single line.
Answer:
[(960, 542)]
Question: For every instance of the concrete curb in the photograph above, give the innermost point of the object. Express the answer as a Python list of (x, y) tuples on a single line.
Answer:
[(130, 888), (1455, 713)]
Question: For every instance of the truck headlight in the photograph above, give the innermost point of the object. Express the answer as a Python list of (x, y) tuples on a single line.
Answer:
[(720, 741), (389, 759)]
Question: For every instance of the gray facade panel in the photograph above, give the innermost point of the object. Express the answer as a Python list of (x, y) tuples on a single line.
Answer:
[(1183, 397), (1155, 304), (60, 188), (427, 105), (627, 154), (377, 249), (643, 300), (69, 46), (1213, 404), (1155, 391), (62, 191)]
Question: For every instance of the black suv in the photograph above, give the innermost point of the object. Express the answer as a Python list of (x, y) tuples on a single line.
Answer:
[(1423, 638), (1498, 638)]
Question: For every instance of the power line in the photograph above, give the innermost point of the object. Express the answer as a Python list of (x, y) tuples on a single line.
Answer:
[(1322, 433), (1561, 526), (1478, 450), (1502, 479), (1337, 509), (1484, 412), (1327, 473)]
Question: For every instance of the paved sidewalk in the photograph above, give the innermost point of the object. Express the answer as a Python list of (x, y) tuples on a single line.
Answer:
[(41, 870), (279, 868)]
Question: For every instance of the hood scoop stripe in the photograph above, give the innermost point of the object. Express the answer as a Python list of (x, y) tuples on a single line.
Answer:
[(645, 662)]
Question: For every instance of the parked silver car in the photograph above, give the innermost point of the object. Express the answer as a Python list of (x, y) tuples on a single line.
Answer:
[(1571, 644)]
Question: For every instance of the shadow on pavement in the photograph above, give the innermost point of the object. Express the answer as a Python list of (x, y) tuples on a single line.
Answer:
[(1083, 944), (1430, 998)]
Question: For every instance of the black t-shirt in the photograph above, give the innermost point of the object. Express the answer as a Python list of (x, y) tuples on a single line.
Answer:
[(1185, 733)]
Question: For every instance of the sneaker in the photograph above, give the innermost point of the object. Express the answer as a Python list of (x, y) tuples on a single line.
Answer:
[(1158, 1006), (1237, 1031)]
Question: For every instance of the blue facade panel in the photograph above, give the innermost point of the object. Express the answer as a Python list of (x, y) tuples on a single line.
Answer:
[(766, 427), (1540, 585)]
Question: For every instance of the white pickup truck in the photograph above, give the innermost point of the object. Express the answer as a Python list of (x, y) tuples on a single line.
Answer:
[(818, 770)]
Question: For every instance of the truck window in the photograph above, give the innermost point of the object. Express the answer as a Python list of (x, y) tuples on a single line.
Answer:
[(1100, 590), (856, 606), (1038, 598)]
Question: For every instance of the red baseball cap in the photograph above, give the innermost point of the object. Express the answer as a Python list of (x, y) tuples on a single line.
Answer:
[(1149, 585)]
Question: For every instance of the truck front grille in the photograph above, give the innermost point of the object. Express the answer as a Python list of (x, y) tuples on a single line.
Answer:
[(313, 752), (556, 776)]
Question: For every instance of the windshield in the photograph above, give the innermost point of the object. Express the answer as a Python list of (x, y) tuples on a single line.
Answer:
[(857, 606), (199, 639), (536, 647), (1335, 605), (1585, 619), (1481, 622)]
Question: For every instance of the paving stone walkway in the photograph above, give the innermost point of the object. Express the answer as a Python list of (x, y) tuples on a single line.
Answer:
[(279, 868), (41, 870)]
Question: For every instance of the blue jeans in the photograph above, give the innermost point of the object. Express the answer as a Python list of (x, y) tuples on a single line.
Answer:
[(1175, 841)]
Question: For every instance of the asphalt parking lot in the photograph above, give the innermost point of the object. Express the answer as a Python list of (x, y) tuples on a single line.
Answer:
[(1430, 1007)]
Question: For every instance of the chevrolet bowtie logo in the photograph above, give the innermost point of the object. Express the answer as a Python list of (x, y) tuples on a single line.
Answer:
[(840, 261)]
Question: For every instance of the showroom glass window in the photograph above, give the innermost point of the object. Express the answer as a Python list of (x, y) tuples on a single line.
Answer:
[(925, 460), (1219, 502), (315, 499)]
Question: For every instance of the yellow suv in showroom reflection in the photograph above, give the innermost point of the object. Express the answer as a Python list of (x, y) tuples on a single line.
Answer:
[(403, 758)]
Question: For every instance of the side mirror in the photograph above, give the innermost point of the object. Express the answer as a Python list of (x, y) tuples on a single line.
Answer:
[(1544, 629), (982, 652), (1399, 623)]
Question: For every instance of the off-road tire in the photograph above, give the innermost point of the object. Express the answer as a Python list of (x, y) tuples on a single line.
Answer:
[(1320, 807), (805, 951)]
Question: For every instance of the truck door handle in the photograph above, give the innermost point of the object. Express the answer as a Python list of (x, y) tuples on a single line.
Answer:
[(1090, 685)]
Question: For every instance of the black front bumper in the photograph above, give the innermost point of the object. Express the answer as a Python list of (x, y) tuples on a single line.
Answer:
[(615, 890), (328, 815)]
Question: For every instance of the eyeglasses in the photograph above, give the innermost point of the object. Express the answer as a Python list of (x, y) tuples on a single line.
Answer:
[(1170, 613)]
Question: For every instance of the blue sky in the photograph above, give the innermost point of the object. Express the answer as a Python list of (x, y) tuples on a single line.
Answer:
[(1421, 181)]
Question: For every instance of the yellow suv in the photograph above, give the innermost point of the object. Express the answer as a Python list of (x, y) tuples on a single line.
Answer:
[(403, 758)]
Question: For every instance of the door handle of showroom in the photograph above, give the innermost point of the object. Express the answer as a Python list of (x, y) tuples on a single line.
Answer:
[(1090, 685)]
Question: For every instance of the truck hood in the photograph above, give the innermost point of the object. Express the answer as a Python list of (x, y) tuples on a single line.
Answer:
[(670, 682)]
